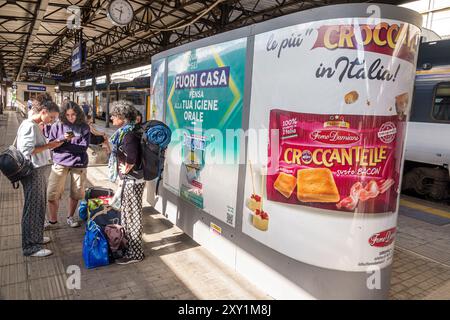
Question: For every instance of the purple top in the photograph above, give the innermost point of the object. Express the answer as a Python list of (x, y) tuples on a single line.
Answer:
[(72, 153)]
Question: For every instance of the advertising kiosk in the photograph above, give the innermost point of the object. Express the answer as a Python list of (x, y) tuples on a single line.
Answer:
[(288, 143)]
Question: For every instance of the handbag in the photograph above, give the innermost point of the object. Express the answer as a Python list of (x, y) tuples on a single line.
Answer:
[(115, 233), (95, 246), (14, 165)]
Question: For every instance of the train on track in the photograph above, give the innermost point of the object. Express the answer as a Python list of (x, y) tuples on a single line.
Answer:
[(136, 91), (426, 169)]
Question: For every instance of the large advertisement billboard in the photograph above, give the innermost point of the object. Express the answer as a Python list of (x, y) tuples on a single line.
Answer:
[(205, 90), (329, 102)]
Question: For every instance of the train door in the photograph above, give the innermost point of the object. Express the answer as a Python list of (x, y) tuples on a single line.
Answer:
[(101, 112), (29, 95), (96, 104)]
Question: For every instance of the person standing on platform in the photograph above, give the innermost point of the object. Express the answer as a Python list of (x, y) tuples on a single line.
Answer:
[(98, 137), (125, 162), (71, 158), (29, 104), (32, 143), (86, 108), (139, 118)]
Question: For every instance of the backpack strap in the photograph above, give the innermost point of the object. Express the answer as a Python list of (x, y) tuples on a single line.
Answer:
[(159, 171), (157, 185), (122, 189), (104, 211), (160, 168)]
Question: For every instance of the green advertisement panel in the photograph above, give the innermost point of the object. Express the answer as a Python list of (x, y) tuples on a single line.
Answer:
[(205, 92)]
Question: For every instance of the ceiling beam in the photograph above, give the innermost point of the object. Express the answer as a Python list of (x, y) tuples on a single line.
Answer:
[(41, 8)]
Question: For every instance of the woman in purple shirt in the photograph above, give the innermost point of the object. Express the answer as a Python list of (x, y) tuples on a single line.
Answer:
[(70, 158)]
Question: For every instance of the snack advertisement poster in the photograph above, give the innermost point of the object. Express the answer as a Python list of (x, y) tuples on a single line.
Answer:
[(333, 96), (204, 101), (157, 90)]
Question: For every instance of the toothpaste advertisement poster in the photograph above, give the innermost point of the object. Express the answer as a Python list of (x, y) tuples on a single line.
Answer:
[(333, 98), (205, 94)]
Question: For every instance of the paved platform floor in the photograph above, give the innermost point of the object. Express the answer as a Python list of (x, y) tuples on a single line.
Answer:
[(176, 267), (421, 268)]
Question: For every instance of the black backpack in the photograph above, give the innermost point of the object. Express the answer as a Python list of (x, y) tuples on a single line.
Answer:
[(153, 154), (14, 165)]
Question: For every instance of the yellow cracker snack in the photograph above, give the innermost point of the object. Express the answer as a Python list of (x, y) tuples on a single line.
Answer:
[(285, 184), (401, 105), (351, 97), (401, 102), (316, 185)]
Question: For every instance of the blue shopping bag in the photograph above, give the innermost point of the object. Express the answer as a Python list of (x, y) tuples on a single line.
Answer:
[(82, 210), (95, 246)]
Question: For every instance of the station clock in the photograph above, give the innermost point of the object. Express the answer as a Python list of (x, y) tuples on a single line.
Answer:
[(120, 12)]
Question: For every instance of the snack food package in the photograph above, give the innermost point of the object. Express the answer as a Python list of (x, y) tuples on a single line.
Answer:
[(323, 159)]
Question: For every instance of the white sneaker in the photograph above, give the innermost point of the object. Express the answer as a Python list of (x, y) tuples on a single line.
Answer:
[(46, 240), (72, 222), (48, 225), (42, 253)]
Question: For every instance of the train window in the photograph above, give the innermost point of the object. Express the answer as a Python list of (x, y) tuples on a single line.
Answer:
[(137, 98), (29, 95), (441, 103)]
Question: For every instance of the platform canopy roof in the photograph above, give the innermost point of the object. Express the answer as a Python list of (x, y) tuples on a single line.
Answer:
[(35, 35)]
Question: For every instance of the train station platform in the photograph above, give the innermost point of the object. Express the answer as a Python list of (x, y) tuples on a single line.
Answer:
[(176, 267)]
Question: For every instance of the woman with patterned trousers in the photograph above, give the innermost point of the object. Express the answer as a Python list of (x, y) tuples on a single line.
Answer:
[(32, 143), (125, 162)]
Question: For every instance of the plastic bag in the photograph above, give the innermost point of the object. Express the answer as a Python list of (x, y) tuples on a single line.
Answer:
[(95, 247)]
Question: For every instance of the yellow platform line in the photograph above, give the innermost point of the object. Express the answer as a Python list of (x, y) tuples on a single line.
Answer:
[(414, 205)]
